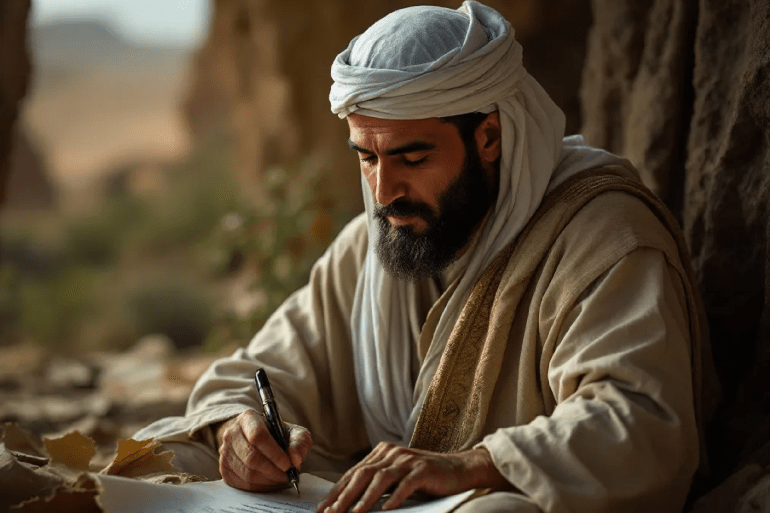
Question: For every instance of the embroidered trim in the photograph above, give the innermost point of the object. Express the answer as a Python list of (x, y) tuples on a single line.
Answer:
[(456, 404)]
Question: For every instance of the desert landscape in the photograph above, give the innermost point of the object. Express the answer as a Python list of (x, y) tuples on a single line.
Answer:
[(97, 101), (159, 203)]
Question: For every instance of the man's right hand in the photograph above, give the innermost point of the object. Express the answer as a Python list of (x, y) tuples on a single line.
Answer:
[(249, 457)]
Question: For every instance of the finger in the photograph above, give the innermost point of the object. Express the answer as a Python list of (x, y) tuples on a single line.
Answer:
[(373, 458), (409, 484), (331, 497), (340, 485), (257, 434), (383, 479), (300, 443), (245, 459), (357, 485), (233, 479), (249, 422), (338, 488), (249, 460)]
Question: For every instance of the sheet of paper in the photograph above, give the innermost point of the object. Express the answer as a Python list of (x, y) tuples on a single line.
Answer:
[(123, 495)]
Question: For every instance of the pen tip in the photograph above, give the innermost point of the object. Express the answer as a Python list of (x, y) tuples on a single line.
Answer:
[(296, 487)]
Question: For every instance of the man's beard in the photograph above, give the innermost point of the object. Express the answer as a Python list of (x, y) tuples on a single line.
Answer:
[(462, 206)]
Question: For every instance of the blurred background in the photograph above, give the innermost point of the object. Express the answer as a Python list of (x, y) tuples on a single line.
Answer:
[(174, 172), (175, 168), (170, 170)]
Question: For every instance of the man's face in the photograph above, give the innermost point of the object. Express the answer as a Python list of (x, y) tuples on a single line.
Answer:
[(430, 195)]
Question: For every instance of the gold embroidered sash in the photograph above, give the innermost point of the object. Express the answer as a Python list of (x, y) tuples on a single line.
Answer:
[(453, 415)]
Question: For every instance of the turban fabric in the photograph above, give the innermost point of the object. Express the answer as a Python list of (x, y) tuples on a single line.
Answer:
[(423, 62)]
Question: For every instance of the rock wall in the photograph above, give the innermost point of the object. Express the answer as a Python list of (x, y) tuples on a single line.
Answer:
[(727, 195), (262, 78), (640, 56), (682, 88), (28, 185), (14, 76)]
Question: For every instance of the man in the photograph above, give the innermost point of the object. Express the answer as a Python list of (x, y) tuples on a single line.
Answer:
[(512, 312)]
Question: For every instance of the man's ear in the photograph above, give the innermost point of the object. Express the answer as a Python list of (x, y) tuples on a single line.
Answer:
[(488, 140)]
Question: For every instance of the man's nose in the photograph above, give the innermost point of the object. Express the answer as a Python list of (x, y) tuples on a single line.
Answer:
[(389, 184)]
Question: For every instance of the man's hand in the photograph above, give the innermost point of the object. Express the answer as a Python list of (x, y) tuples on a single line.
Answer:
[(249, 457), (410, 470)]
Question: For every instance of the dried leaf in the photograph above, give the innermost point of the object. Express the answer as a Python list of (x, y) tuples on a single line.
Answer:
[(20, 441), (80, 498), (73, 450), (63, 501), (19, 482), (138, 458)]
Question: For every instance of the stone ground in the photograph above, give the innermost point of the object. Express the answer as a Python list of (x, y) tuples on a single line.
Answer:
[(105, 396)]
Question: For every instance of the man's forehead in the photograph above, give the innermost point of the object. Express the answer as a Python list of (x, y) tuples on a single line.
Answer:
[(363, 127), (362, 121)]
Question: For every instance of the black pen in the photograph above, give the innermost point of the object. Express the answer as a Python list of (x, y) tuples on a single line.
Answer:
[(274, 422)]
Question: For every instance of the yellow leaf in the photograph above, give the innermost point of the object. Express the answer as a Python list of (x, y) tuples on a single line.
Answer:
[(73, 450), (138, 458)]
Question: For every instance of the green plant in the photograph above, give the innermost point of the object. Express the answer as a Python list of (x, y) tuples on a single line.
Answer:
[(48, 310), (201, 190), (276, 243), (65, 275)]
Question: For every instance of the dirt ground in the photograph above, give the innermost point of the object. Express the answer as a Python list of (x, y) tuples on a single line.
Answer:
[(105, 396)]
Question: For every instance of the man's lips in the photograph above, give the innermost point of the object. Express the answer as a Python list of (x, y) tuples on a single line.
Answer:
[(403, 220)]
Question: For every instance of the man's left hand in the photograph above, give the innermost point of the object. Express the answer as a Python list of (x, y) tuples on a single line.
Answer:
[(409, 471)]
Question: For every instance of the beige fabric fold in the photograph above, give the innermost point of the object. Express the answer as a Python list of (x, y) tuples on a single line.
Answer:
[(454, 412), (593, 408)]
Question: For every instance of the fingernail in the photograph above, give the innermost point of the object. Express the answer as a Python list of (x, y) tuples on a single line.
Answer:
[(358, 507)]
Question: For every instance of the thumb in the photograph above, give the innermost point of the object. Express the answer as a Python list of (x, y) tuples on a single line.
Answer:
[(300, 443)]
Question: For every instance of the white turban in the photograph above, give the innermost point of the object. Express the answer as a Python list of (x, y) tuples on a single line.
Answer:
[(423, 62)]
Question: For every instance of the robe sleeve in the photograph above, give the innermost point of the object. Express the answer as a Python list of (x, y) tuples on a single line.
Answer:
[(623, 434), (306, 351)]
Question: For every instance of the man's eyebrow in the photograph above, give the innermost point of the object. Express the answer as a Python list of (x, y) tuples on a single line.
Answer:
[(399, 150)]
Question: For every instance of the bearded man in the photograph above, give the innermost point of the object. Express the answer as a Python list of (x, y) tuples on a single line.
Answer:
[(513, 311)]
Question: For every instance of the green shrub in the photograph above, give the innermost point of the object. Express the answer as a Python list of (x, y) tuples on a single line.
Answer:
[(71, 281), (200, 192), (277, 243), (47, 310), (95, 238)]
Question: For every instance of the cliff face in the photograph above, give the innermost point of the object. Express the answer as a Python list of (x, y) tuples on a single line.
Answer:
[(14, 77), (262, 78), (682, 88)]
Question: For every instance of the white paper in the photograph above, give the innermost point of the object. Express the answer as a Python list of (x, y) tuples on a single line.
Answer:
[(123, 495)]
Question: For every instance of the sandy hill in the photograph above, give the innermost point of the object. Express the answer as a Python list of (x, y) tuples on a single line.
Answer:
[(98, 100)]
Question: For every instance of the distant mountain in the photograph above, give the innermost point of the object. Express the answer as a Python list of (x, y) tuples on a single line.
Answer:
[(88, 43), (64, 48), (70, 37), (97, 100)]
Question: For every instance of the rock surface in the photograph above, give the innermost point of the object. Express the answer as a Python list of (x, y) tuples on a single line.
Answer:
[(106, 396), (636, 93), (28, 185), (682, 88), (727, 194), (14, 76), (262, 78)]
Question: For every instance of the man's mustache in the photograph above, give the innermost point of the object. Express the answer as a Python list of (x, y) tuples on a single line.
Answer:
[(404, 208)]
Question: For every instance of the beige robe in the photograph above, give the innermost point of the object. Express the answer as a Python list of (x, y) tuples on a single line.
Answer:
[(600, 418)]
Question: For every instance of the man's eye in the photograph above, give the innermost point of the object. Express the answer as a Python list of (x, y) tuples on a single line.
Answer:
[(369, 159), (414, 163)]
